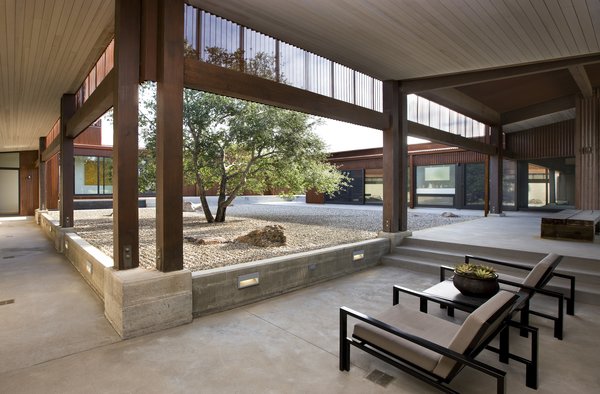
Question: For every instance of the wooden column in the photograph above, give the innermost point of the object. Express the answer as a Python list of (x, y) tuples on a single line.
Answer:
[(587, 152), (496, 171), (169, 137), (67, 162), (395, 158), (125, 149), (42, 174), (413, 182)]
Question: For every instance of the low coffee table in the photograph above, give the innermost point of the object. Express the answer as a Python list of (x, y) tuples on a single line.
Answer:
[(446, 290)]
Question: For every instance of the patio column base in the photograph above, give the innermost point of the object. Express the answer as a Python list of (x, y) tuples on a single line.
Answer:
[(138, 301), (395, 238), (499, 215)]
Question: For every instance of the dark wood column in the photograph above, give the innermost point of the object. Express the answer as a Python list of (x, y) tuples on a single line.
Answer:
[(587, 152), (169, 137), (125, 149), (395, 158), (42, 174), (496, 171), (67, 162)]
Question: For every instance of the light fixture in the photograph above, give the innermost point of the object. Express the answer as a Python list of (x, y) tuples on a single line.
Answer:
[(248, 280), (358, 255), (89, 267)]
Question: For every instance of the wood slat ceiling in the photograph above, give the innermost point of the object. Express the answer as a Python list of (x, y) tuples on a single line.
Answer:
[(540, 121), (47, 47), (403, 39)]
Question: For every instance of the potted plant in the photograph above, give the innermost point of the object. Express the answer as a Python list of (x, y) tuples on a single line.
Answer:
[(475, 280)]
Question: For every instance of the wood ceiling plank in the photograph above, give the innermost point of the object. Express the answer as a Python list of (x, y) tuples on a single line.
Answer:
[(575, 25), (550, 27), (553, 13), (587, 24)]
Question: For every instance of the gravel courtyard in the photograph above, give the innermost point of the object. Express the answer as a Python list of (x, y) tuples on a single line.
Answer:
[(306, 227)]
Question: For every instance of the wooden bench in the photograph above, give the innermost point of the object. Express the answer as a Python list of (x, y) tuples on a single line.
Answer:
[(571, 224)]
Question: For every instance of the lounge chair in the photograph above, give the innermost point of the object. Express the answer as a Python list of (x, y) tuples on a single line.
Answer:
[(436, 350), (535, 282)]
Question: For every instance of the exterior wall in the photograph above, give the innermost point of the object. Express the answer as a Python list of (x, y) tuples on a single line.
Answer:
[(550, 141), (28, 183), (52, 183), (587, 152)]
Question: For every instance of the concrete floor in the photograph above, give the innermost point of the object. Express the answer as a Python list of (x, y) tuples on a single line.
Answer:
[(54, 339)]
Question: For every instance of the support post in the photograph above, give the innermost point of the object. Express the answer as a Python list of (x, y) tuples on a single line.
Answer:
[(169, 137), (67, 162), (125, 150), (496, 172), (42, 174), (395, 158)]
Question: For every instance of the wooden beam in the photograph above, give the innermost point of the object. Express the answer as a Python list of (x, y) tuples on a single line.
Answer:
[(582, 80), (210, 78), (493, 74), (395, 159), (540, 109), (495, 173), (149, 44), (67, 162), (125, 139), (100, 101), (443, 137), (42, 174), (464, 104), (169, 137), (51, 150)]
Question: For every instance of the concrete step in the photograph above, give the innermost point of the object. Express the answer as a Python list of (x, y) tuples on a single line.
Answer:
[(426, 256)]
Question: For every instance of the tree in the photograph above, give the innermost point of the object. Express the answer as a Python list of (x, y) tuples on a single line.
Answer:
[(241, 146)]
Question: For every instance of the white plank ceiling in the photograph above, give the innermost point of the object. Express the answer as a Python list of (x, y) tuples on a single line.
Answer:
[(47, 47)]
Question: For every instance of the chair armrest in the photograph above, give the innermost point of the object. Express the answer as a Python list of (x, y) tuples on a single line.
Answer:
[(546, 292), (503, 263), (345, 312), (443, 269)]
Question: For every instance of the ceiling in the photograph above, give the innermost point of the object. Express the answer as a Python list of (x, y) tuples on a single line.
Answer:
[(47, 47), (50, 45)]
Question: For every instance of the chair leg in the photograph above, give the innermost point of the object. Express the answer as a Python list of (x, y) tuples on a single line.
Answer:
[(504, 345), (531, 372), (558, 323), (525, 320), (344, 343)]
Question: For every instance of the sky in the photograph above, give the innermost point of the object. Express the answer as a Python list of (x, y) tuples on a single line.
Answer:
[(338, 136)]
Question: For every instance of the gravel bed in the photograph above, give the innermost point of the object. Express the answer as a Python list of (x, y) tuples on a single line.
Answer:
[(305, 227)]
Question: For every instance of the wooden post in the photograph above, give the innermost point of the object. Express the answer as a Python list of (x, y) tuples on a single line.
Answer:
[(67, 162), (169, 137), (496, 172), (125, 150), (42, 174), (486, 187), (395, 158)]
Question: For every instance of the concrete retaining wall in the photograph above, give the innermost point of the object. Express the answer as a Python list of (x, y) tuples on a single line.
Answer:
[(217, 289)]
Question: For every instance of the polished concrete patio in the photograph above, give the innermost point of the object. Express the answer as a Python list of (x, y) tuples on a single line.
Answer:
[(54, 338)]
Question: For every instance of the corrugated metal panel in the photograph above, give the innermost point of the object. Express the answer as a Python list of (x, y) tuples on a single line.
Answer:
[(587, 150), (550, 141)]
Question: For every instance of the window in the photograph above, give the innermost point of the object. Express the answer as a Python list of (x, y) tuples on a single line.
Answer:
[(93, 175), (474, 184), (373, 190)]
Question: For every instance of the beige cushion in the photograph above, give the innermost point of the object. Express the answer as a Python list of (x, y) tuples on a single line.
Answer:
[(465, 337), (413, 322), (539, 271)]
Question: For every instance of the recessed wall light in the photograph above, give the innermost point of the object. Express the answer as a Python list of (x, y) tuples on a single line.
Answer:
[(248, 280)]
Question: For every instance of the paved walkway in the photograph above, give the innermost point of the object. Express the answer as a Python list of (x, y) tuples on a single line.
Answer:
[(53, 339)]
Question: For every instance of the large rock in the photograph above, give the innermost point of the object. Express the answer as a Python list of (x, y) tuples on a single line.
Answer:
[(266, 237), (187, 207), (206, 240)]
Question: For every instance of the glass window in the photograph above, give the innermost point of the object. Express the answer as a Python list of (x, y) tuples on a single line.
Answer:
[(438, 179), (9, 160), (474, 184), (509, 183), (446, 201), (373, 190), (86, 175), (106, 175)]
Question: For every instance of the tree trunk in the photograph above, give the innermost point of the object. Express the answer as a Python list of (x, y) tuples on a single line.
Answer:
[(222, 203), (205, 208)]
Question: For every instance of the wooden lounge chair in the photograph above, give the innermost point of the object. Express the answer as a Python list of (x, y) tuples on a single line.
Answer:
[(535, 281), (433, 349)]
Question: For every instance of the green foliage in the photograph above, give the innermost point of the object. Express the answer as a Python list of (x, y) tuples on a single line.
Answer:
[(475, 271)]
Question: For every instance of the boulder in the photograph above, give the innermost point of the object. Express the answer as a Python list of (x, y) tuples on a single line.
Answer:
[(268, 236), (187, 207), (206, 240), (449, 215)]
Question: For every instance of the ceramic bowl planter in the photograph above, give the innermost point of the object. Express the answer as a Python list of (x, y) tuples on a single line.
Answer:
[(476, 280)]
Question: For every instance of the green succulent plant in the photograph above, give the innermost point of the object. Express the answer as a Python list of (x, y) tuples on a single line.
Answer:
[(475, 271)]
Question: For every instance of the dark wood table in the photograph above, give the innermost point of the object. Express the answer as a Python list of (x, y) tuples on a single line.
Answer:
[(447, 291)]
